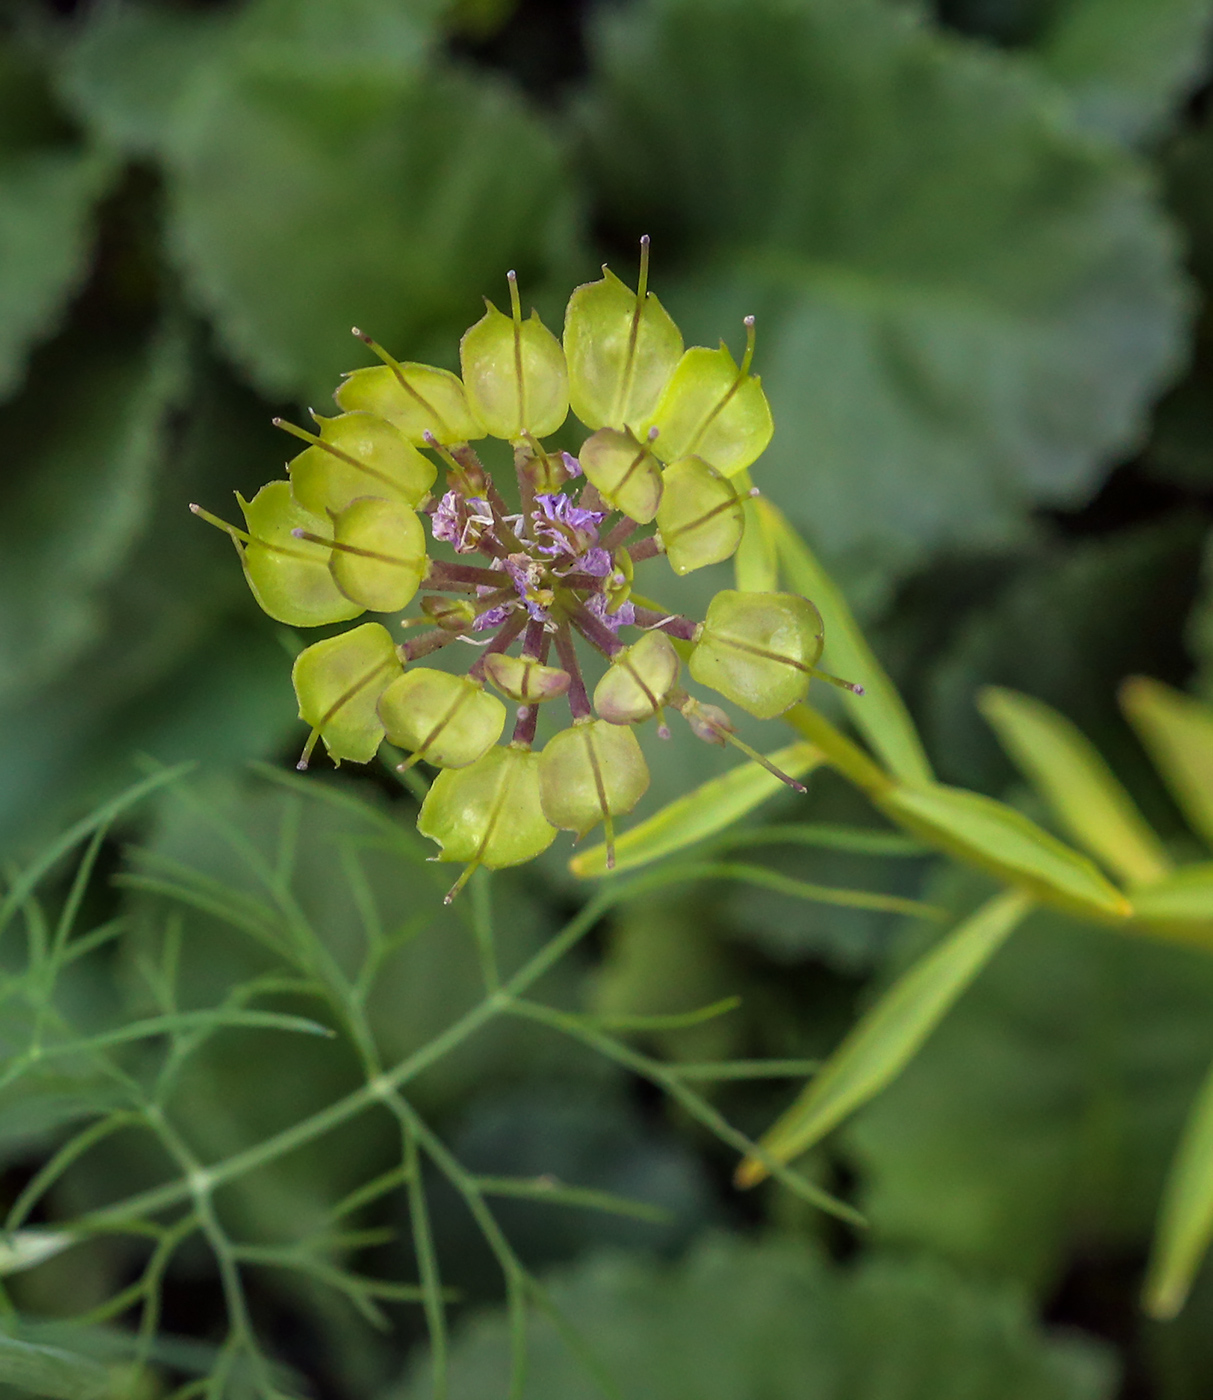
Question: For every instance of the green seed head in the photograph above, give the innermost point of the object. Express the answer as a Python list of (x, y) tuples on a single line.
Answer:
[(523, 679), (358, 454), (448, 721), (338, 683), (591, 773), (639, 681), (701, 518), (713, 409), (758, 649), (626, 473), (289, 576), (489, 813), (416, 399), (378, 553), (621, 347), (515, 374)]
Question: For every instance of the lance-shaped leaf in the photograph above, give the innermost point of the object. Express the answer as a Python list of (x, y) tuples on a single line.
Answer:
[(1185, 1218), (1181, 906), (879, 713), (621, 348), (1067, 770), (1178, 732), (703, 812), (887, 1037), (996, 838)]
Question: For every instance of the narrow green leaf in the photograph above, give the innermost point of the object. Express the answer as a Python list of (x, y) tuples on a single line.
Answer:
[(191, 1020), (768, 879), (1178, 732), (989, 834), (887, 1037), (1180, 906), (703, 812), (23, 1249), (547, 1188), (1068, 771), (829, 836), (756, 563), (673, 1021), (879, 713), (1185, 1218), (40, 1370)]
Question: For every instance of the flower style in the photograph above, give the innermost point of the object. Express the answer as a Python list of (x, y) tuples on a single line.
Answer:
[(671, 431)]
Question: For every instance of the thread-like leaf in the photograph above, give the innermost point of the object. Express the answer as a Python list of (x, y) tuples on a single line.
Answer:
[(1068, 771), (703, 812), (1178, 732), (886, 1038), (1185, 1218), (41, 1370)]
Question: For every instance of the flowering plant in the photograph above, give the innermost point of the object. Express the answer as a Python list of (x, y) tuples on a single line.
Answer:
[(672, 434)]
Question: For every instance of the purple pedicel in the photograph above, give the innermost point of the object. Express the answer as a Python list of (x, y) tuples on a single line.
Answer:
[(623, 616), (459, 521)]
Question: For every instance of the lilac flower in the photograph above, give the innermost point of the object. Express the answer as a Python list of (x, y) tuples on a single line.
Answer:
[(494, 617), (459, 521), (568, 528), (623, 616)]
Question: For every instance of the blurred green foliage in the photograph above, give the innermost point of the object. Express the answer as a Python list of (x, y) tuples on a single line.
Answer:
[(978, 238)]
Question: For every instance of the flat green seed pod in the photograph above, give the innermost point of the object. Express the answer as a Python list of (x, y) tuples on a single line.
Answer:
[(515, 375), (758, 649), (591, 773), (626, 473), (526, 680), (701, 518), (359, 454), (378, 558), (290, 577), (449, 721), (620, 352), (712, 409), (639, 680), (488, 813), (338, 683), (418, 399)]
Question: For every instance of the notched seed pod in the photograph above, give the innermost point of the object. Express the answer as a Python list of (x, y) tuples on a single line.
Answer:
[(378, 555), (639, 681), (621, 348), (758, 649), (338, 683), (626, 473), (417, 399), (714, 409), (447, 720), (514, 372), (290, 576), (487, 814), (524, 679), (701, 518), (592, 773), (356, 454), (451, 614)]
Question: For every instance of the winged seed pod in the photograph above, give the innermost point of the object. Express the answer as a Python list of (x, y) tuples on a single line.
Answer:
[(562, 545)]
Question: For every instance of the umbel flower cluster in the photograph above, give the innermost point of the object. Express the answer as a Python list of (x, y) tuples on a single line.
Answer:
[(354, 530)]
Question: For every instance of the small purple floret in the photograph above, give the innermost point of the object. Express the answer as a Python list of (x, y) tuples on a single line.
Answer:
[(566, 527), (623, 616), (494, 617), (459, 520)]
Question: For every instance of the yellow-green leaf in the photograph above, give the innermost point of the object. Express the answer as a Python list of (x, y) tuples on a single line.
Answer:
[(1178, 732), (884, 1041), (1180, 906), (879, 713), (989, 834), (1068, 771), (699, 813), (1185, 1217)]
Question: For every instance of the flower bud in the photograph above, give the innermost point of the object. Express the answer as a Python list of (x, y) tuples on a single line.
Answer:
[(701, 518), (338, 683), (514, 372), (714, 410), (489, 813), (621, 348), (708, 722), (449, 721), (358, 454), (378, 557), (524, 679), (417, 399), (758, 649), (290, 577), (451, 614), (626, 473), (639, 681), (591, 773)]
